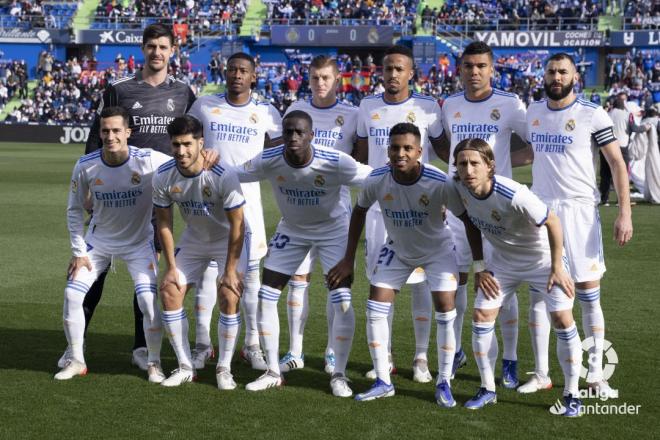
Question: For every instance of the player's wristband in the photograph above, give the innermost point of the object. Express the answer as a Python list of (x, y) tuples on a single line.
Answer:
[(478, 266)]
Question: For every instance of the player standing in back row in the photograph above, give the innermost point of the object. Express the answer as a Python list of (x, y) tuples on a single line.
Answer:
[(238, 127), (481, 111), (562, 130), (335, 126), (377, 115), (152, 99)]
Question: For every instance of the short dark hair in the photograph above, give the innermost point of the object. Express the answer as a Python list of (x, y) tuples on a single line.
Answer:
[(399, 49), (243, 56), (406, 128), (299, 114), (480, 146), (157, 30), (109, 112), (561, 56), (478, 48), (322, 61), (185, 124)]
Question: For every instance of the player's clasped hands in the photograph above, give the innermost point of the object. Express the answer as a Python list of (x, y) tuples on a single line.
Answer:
[(562, 279), (487, 283), (74, 266), (343, 270)]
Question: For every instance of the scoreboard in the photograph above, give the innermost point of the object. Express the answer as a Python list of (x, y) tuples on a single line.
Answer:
[(332, 36)]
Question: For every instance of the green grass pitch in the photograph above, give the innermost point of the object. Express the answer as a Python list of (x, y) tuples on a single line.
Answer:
[(115, 401)]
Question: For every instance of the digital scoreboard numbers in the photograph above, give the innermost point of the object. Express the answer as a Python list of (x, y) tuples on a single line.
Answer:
[(331, 36)]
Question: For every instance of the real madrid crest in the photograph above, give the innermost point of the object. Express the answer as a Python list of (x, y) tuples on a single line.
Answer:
[(292, 35), (319, 181), (570, 125), (495, 115), (340, 120), (254, 118), (170, 104), (207, 192), (424, 200), (136, 179), (411, 117), (496, 215), (372, 36)]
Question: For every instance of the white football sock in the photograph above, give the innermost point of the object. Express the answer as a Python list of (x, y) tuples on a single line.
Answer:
[(446, 340), (508, 317), (539, 329), (151, 322), (422, 308), (330, 316), (228, 328), (176, 327), (250, 302), (205, 299), (73, 317), (461, 305), (297, 307), (343, 327), (268, 322), (390, 326), (569, 352), (483, 334), (377, 337), (593, 325)]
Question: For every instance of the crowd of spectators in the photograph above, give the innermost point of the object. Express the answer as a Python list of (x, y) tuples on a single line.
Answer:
[(68, 92), (13, 81), (642, 14), (337, 12), (513, 14), (38, 14), (636, 73), (189, 17)]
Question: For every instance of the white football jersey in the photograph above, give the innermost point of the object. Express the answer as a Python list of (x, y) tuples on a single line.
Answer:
[(510, 218), (309, 197), (121, 198), (412, 213), (492, 119), (376, 117), (237, 133), (334, 127), (202, 199), (563, 151)]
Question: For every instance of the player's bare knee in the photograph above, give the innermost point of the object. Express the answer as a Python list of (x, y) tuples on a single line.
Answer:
[(306, 277), (562, 319), (228, 301), (171, 298), (484, 315), (443, 301)]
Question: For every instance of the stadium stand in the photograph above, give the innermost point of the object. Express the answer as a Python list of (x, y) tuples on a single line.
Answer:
[(400, 13), (37, 14), (212, 17), (642, 15)]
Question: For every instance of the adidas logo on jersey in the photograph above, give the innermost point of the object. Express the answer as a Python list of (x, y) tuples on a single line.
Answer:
[(98, 182), (216, 111), (137, 105), (536, 123), (388, 197), (280, 179), (457, 115), (176, 189), (375, 117)]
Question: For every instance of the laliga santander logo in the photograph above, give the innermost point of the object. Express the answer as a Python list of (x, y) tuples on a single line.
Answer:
[(609, 354)]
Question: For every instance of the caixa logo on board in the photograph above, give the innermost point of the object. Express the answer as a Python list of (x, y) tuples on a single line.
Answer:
[(74, 134)]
